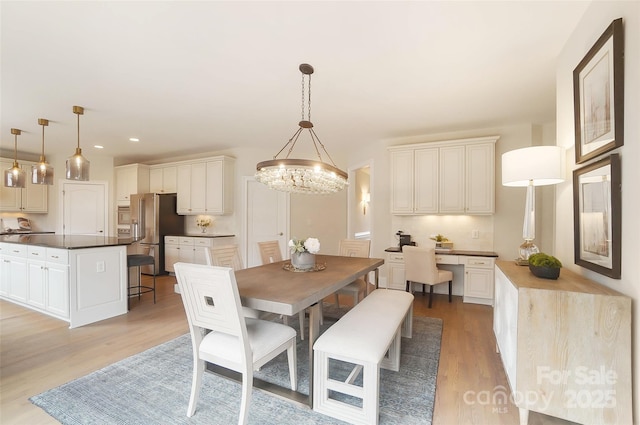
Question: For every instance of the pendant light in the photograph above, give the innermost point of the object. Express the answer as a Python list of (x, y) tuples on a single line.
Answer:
[(15, 176), (78, 165), (307, 176), (42, 172)]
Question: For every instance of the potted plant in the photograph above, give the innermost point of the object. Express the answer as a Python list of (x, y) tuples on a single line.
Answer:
[(544, 266)]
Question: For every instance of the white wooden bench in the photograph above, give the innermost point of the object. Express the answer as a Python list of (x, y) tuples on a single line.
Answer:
[(367, 337)]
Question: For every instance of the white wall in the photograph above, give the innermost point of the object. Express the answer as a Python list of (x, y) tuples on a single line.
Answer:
[(595, 20)]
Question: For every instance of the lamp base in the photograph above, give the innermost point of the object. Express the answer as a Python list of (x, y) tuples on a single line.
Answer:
[(527, 249)]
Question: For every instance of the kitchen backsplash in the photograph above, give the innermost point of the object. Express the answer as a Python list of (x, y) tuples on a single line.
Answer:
[(459, 229)]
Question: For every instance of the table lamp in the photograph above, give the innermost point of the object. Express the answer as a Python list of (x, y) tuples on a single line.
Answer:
[(530, 167)]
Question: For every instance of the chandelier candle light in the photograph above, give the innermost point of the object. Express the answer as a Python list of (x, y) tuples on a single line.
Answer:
[(303, 253), (302, 175)]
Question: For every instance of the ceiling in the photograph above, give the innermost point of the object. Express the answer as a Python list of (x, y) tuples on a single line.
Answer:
[(195, 77)]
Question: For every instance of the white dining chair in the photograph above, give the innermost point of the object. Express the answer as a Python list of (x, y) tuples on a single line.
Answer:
[(270, 253), (229, 256), (222, 335), (420, 267), (354, 248)]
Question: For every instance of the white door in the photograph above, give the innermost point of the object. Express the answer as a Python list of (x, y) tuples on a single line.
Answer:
[(267, 219), (84, 208)]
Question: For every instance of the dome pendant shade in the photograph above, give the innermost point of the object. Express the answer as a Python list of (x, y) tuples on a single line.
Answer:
[(302, 175), (42, 172), (15, 176), (78, 165)]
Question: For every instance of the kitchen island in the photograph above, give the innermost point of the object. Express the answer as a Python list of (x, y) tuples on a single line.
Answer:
[(78, 279)]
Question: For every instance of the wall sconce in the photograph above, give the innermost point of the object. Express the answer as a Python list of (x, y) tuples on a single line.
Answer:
[(366, 198)]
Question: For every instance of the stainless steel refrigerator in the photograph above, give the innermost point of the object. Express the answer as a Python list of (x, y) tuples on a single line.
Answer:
[(153, 216)]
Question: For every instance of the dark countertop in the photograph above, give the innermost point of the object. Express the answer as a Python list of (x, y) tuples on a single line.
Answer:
[(204, 235), (25, 232), (453, 252), (67, 241)]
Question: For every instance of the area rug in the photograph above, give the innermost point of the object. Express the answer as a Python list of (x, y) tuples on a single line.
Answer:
[(153, 388)]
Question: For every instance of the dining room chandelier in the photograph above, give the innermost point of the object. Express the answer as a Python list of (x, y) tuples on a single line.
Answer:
[(15, 176), (42, 172), (307, 176), (78, 165)]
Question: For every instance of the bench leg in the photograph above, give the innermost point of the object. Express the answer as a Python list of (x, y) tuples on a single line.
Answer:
[(407, 326), (369, 393), (391, 360)]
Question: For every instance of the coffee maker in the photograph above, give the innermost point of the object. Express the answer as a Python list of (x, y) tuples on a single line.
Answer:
[(403, 239)]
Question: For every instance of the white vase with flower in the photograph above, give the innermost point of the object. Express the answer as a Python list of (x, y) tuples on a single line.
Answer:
[(303, 252)]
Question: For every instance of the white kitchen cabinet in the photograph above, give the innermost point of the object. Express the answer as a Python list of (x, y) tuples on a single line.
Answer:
[(205, 186), (163, 179), (480, 178), (447, 177), (14, 271), (478, 279), (565, 345), (188, 249), (395, 271), (33, 198), (48, 280), (451, 180), (131, 179)]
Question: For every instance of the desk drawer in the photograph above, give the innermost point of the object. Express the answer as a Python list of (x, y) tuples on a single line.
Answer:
[(172, 240), (446, 259), (480, 262), (396, 258)]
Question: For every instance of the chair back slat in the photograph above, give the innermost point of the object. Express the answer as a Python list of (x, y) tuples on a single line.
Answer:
[(224, 256), (270, 252), (211, 299), (354, 248), (420, 264)]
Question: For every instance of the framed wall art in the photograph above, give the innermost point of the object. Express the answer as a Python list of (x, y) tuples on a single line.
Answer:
[(598, 96), (597, 216)]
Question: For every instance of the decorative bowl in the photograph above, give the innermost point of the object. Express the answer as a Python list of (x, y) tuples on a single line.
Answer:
[(545, 272)]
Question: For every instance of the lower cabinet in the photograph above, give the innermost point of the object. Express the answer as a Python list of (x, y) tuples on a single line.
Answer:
[(48, 278), (395, 272), (478, 280), (186, 249)]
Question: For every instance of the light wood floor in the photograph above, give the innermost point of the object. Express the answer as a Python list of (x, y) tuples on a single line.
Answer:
[(38, 353)]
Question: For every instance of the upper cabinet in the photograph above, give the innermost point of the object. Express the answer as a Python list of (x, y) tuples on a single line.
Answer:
[(163, 179), (131, 179), (32, 198), (206, 186), (447, 177)]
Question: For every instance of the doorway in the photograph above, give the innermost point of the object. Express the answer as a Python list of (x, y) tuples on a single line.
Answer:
[(84, 208), (267, 219), (360, 210)]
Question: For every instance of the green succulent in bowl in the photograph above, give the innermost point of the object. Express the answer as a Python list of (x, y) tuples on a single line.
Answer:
[(544, 266), (544, 260)]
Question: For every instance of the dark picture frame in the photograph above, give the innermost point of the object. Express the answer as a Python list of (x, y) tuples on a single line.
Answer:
[(597, 202), (598, 96)]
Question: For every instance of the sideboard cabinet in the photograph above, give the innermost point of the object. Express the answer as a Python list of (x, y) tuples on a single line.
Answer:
[(565, 345), (446, 177)]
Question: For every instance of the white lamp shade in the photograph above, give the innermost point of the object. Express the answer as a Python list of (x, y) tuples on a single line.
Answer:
[(542, 165)]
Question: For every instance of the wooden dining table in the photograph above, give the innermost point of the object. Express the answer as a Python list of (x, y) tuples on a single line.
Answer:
[(275, 289)]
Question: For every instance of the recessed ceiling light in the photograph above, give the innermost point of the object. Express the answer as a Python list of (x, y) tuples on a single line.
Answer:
[(134, 139), (98, 146)]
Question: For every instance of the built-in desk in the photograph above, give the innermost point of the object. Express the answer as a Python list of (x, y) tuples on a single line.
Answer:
[(473, 273)]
